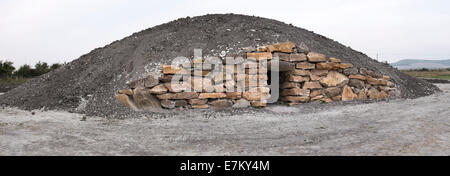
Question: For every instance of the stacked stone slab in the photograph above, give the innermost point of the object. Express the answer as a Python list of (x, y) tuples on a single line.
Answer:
[(319, 78), (207, 87), (201, 85), (242, 82)]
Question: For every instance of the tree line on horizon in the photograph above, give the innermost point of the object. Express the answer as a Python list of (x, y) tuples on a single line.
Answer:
[(7, 69)]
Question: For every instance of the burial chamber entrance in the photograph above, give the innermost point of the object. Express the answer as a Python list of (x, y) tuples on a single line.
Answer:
[(278, 73)]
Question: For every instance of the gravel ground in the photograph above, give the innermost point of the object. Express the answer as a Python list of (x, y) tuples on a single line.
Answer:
[(399, 127)]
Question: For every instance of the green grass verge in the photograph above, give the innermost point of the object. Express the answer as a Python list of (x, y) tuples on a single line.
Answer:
[(441, 77), (436, 74), (13, 80)]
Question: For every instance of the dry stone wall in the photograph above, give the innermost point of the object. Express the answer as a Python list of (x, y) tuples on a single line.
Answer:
[(243, 81)]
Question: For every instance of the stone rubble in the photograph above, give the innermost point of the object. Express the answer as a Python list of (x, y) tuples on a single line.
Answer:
[(305, 77)]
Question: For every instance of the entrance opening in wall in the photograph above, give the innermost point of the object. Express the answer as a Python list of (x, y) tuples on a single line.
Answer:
[(284, 75)]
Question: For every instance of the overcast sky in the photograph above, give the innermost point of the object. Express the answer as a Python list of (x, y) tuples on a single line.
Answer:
[(59, 31)]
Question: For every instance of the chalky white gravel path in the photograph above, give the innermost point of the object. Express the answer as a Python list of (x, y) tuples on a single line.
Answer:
[(399, 127)]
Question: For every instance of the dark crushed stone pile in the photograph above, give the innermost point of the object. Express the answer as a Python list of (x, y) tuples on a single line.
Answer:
[(5, 87), (88, 84)]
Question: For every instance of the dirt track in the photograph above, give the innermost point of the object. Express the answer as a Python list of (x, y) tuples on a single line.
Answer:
[(401, 127)]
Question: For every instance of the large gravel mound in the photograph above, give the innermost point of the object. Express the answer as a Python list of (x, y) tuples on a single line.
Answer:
[(88, 84)]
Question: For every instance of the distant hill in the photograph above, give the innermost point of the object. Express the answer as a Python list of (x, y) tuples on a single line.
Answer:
[(418, 64)]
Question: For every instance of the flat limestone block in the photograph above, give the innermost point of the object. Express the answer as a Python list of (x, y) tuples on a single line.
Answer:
[(312, 85), (172, 70), (256, 96), (305, 66), (328, 66), (334, 79), (298, 79), (159, 89), (316, 57), (259, 56), (234, 95), (296, 99), (198, 101), (125, 99), (258, 104), (348, 94), (285, 47), (295, 92), (205, 106), (212, 95)]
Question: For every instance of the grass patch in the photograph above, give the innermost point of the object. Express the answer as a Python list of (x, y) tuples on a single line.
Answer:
[(424, 73), (13, 80), (442, 77)]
